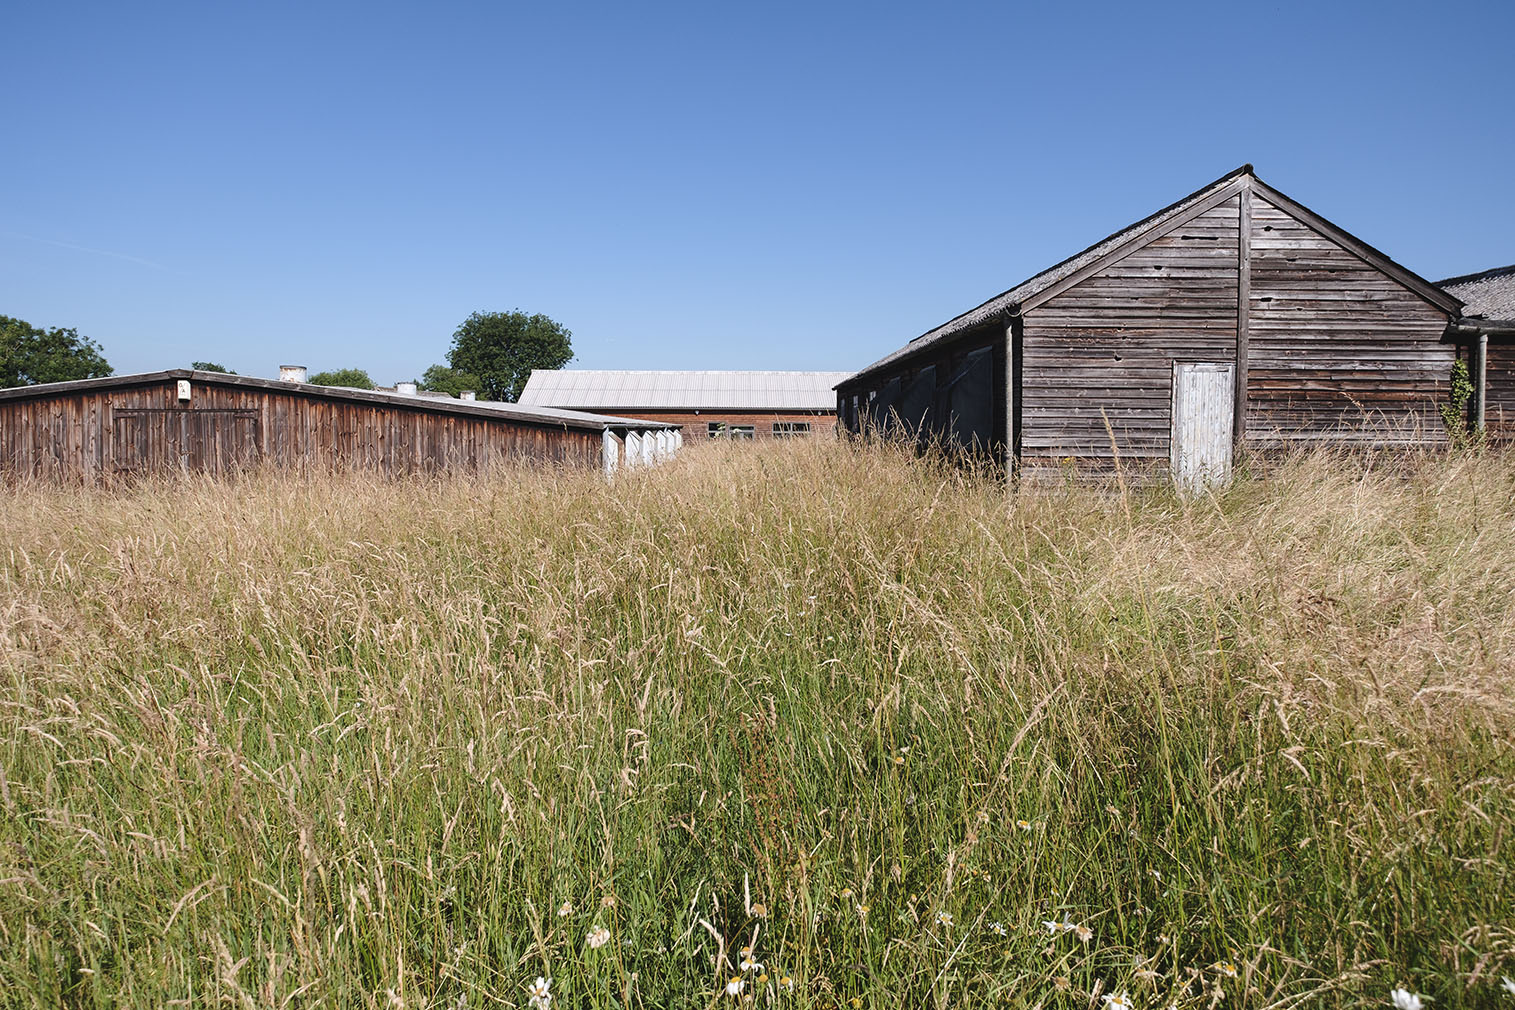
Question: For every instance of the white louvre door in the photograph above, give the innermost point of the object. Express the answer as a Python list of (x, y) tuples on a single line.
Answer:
[(1204, 401)]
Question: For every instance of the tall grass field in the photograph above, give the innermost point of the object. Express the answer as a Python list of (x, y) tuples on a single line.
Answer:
[(786, 725)]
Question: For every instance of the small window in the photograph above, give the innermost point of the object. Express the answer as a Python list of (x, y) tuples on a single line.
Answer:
[(720, 429), (789, 429)]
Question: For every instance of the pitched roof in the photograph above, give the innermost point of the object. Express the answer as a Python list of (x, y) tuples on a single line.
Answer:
[(1033, 291), (1490, 294), (681, 390), (548, 416)]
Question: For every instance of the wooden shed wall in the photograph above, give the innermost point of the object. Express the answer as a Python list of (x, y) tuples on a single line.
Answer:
[(1499, 392), (145, 429), (1105, 347), (1338, 350)]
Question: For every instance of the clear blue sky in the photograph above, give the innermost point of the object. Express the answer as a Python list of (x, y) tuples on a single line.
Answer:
[(691, 186)]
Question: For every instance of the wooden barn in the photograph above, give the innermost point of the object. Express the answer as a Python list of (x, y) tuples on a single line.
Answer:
[(1235, 319), (183, 421), (1487, 328), (709, 404)]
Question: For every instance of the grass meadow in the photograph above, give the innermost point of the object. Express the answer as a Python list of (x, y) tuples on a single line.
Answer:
[(914, 739)]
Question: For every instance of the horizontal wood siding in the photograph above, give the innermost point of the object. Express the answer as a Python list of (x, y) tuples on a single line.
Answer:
[(138, 430), (1105, 347), (1338, 351), (1499, 393)]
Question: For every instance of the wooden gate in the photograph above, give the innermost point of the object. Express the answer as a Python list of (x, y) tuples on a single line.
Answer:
[(1204, 402), (148, 440)]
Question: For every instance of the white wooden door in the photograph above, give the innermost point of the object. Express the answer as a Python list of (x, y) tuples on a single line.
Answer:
[(1204, 398)]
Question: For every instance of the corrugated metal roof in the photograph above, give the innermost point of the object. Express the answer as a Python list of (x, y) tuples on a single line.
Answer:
[(1490, 294), (680, 390)]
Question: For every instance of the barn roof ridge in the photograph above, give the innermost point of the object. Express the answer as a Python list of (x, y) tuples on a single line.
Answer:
[(1134, 236), (1479, 276), (549, 416)]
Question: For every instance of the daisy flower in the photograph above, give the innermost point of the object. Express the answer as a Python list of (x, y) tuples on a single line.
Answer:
[(1023, 825), (1404, 999), (944, 918), (597, 937), (735, 986), (541, 997), (1117, 1002), (1509, 984), (748, 964), (997, 928), (1227, 969)]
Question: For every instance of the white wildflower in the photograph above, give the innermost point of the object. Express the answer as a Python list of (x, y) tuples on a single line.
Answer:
[(541, 997), (1405, 1000), (565, 910), (1114, 1002), (735, 986), (597, 937), (944, 918)]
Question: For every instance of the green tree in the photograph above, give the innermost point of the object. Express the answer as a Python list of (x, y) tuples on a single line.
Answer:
[(501, 349), (210, 366), (357, 378), (441, 379), (30, 355)]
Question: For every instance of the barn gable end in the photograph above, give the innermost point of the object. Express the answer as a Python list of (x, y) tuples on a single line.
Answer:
[(1320, 338)]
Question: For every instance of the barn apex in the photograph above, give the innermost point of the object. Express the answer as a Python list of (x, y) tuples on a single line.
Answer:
[(712, 404), (1234, 318)]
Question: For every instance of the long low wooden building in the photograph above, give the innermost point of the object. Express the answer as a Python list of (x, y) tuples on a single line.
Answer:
[(190, 421), (1235, 318)]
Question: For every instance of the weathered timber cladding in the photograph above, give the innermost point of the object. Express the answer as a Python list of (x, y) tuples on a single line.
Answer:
[(1101, 352), (1328, 340), (1499, 392), (145, 429), (1339, 351)]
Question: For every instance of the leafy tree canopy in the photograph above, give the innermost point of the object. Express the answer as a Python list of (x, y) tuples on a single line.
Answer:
[(31, 355), (441, 379), (210, 366), (357, 378), (501, 349)]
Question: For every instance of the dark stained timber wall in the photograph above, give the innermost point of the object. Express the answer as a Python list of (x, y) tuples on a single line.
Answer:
[(1338, 350), (143, 429), (1499, 392)]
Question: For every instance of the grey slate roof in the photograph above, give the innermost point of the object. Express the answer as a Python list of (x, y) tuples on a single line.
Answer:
[(1490, 294), (681, 390), (526, 415)]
